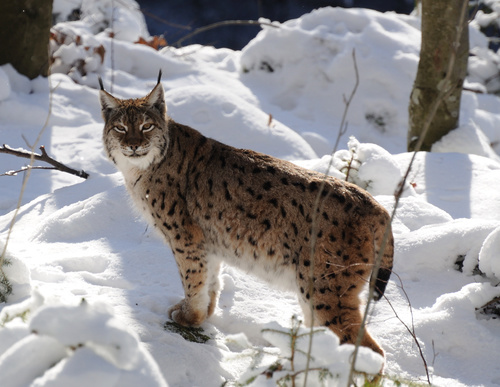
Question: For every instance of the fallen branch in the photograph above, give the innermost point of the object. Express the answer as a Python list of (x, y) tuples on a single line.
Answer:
[(56, 165)]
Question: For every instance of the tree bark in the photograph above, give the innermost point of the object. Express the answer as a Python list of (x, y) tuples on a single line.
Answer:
[(442, 50), (24, 35)]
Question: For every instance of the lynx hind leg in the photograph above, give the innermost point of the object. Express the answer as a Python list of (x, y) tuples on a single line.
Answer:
[(345, 323), (340, 313), (336, 302)]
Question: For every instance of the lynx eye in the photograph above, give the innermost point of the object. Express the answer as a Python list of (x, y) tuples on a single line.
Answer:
[(120, 129), (147, 127)]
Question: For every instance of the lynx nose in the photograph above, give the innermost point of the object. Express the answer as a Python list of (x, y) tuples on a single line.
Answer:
[(135, 149)]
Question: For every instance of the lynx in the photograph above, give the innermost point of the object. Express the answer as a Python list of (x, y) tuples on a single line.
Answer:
[(309, 233)]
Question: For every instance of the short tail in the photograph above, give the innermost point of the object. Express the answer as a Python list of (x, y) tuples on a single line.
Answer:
[(386, 241)]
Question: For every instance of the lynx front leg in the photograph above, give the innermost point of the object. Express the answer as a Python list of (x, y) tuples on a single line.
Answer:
[(213, 285), (196, 275)]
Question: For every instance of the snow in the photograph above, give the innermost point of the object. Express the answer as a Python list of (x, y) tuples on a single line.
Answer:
[(92, 283), (467, 139), (5, 86), (326, 346), (487, 263)]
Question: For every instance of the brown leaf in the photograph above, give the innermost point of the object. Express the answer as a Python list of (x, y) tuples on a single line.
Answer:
[(100, 50), (155, 42)]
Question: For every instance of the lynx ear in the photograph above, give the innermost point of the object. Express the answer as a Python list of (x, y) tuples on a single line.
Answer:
[(156, 98), (107, 100)]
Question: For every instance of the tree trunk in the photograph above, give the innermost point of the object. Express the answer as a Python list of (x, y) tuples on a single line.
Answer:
[(24, 35), (442, 20)]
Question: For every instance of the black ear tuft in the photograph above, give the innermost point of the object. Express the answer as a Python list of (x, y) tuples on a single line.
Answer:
[(100, 83), (156, 97)]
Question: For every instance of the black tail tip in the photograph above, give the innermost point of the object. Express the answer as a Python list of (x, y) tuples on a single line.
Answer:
[(381, 282)]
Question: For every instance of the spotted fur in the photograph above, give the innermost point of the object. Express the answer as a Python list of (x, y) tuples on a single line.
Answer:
[(213, 203)]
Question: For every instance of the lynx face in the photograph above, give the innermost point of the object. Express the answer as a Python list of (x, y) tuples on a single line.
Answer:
[(135, 130)]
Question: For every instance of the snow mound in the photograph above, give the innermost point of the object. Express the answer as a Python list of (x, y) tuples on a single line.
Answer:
[(125, 21), (369, 166), (413, 213), (456, 183), (85, 338), (90, 325), (32, 349), (232, 120), (80, 220), (440, 246), (327, 355), (466, 139), (18, 274), (489, 262), (323, 165), (312, 79)]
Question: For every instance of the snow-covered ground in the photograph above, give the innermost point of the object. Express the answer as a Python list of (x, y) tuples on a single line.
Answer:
[(92, 283)]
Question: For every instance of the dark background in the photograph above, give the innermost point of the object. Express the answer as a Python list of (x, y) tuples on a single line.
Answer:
[(176, 18)]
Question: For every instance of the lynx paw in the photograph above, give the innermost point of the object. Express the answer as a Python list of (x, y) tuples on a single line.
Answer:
[(184, 314)]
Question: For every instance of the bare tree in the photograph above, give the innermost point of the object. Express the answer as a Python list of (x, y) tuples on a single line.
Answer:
[(441, 71), (24, 33)]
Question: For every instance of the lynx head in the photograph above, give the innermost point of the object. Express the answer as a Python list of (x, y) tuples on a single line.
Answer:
[(135, 130)]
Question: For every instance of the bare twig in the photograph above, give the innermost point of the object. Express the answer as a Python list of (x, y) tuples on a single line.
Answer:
[(24, 169), (222, 24), (411, 330), (163, 21), (349, 167), (127, 5), (40, 157)]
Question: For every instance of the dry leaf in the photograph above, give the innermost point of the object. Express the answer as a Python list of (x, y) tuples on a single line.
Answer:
[(155, 42)]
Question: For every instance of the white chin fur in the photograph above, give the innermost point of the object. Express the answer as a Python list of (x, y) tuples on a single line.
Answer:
[(143, 162)]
